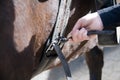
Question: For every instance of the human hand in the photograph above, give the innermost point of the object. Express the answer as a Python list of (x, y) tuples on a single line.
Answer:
[(83, 25)]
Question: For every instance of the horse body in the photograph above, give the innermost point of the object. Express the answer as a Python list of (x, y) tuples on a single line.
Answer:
[(25, 26)]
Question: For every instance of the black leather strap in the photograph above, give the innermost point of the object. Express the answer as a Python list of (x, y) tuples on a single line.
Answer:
[(63, 61)]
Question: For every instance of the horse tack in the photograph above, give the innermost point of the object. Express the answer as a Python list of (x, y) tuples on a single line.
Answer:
[(55, 43), (61, 20)]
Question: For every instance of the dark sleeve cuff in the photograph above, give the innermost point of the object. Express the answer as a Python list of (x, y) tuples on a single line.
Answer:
[(110, 16)]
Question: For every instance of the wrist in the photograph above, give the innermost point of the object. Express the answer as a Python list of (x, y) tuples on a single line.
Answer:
[(100, 21)]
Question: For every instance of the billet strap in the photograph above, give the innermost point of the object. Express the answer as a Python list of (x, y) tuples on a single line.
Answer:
[(63, 61)]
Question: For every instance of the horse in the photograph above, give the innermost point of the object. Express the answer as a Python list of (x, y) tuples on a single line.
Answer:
[(25, 27)]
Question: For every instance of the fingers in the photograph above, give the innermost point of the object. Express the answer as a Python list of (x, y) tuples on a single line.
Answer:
[(79, 35), (78, 25)]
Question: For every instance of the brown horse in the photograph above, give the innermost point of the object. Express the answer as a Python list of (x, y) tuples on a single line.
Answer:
[(25, 26)]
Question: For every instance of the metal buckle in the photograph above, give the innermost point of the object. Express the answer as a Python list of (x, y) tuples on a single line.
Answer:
[(59, 41)]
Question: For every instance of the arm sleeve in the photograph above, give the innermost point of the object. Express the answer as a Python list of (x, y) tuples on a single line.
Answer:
[(110, 16)]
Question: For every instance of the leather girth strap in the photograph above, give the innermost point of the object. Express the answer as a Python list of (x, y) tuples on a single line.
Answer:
[(63, 61)]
